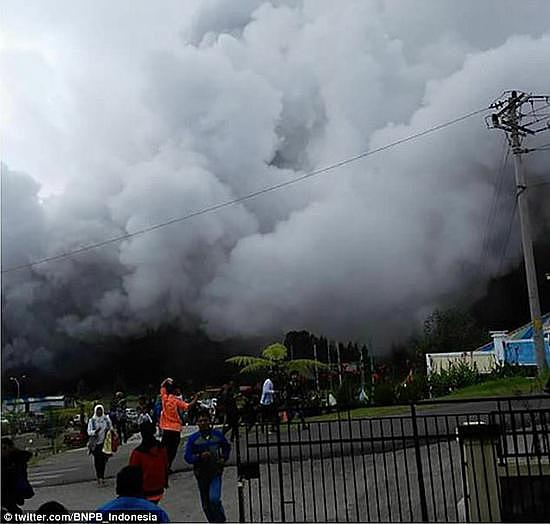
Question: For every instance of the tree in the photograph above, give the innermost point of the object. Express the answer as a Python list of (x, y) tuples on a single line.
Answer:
[(273, 360), (452, 329)]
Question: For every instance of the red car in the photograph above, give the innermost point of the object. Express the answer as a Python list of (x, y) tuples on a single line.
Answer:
[(75, 439)]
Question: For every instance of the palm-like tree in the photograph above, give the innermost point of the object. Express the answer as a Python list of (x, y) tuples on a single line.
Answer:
[(273, 360)]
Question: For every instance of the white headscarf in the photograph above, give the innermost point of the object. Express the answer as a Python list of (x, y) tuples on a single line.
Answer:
[(95, 415), (103, 423)]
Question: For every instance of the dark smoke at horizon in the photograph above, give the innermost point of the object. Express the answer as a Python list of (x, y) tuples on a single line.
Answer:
[(180, 107)]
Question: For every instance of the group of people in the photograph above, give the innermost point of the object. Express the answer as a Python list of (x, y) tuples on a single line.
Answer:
[(141, 484), (290, 400), (207, 450)]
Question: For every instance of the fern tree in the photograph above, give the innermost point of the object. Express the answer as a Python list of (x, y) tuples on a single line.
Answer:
[(274, 361)]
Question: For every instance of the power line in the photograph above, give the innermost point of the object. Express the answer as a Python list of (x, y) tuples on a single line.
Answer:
[(244, 198), (542, 147), (508, 235), (497, 188)]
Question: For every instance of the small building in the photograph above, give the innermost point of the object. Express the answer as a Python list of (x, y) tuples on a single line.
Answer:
[(515, 347), (36, 404)]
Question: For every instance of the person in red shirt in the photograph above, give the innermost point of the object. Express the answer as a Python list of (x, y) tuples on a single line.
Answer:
[(170, 421), (152, 458)]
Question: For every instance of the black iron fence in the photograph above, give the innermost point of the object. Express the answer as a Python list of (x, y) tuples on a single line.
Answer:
[(440, 461)]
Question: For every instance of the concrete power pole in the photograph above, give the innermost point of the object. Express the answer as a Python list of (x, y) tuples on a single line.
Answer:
[(518, 123), (316, 370), (329, 359)]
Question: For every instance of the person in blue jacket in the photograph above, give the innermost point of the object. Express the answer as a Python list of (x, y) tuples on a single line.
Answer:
[(208, 450)]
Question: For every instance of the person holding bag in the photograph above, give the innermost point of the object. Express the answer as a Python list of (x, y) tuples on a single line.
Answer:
[(100, 430)]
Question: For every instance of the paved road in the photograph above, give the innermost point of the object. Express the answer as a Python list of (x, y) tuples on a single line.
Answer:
[(435, 425), (77, 466), (374, 487), (181, 500), (363, 480)]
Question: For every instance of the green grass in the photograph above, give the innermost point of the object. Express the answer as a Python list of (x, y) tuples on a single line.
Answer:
[(374, 411), (511, 386)]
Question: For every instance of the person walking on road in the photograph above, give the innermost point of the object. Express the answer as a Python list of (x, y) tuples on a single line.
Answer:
[(229, 409), (15, 483), (129, 488), (296, 399), (98, 426), (143, 412), (170, 420), (267, 404), (208, 451), (118, 415), (152, 458)]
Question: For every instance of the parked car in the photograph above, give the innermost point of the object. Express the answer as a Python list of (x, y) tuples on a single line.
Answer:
[(75, 439), (132, 420), (209, 404)]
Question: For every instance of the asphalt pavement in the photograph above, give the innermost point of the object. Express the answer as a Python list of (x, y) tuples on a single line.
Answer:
[(76, 465), (181, 500), (377, 449)]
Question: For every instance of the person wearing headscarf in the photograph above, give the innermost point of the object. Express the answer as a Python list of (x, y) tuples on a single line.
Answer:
[(152, 458), (98, 427)]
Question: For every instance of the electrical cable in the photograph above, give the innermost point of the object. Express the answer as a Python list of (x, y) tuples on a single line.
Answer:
[(497, 187), (244, 198), (508, 235)]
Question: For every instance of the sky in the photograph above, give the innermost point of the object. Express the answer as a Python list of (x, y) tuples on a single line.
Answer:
[(117, 116)]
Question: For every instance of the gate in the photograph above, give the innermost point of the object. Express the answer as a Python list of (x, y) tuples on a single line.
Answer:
[(446, 461)]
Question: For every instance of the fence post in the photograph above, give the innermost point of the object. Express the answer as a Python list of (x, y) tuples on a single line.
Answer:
[(280, 467), (419, 469), (481, 475), (240, 480)]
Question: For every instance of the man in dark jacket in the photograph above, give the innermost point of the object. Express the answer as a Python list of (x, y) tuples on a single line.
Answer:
[(15, 484), (208, 450), (296, 399), (118, 415), (228, 405)]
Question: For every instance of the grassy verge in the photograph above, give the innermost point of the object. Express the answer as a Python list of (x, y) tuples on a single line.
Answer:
[(502, 387), (511, 386), (373, 411)]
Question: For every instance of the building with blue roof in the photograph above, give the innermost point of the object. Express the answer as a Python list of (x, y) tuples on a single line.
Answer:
[(515, 347)]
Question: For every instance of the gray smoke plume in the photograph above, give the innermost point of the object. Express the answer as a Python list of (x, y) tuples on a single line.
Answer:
[(123, 115)]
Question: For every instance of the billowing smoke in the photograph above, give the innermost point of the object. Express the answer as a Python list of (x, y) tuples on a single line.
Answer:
[(123, 115)]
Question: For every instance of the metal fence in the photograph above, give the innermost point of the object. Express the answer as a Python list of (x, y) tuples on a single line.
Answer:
[(439, 461)]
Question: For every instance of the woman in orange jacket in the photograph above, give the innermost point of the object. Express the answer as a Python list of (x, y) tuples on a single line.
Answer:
[(170, 421)]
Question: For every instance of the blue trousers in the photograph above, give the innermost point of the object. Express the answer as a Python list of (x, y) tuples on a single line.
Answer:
[(211, 492)]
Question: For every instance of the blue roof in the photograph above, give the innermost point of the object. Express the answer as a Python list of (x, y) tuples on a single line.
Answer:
[(519, 347), (521, 333)]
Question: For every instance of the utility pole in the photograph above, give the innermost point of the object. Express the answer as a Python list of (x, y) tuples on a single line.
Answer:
[(316, 370), (363, 397), (329, 359), (517, 123)]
